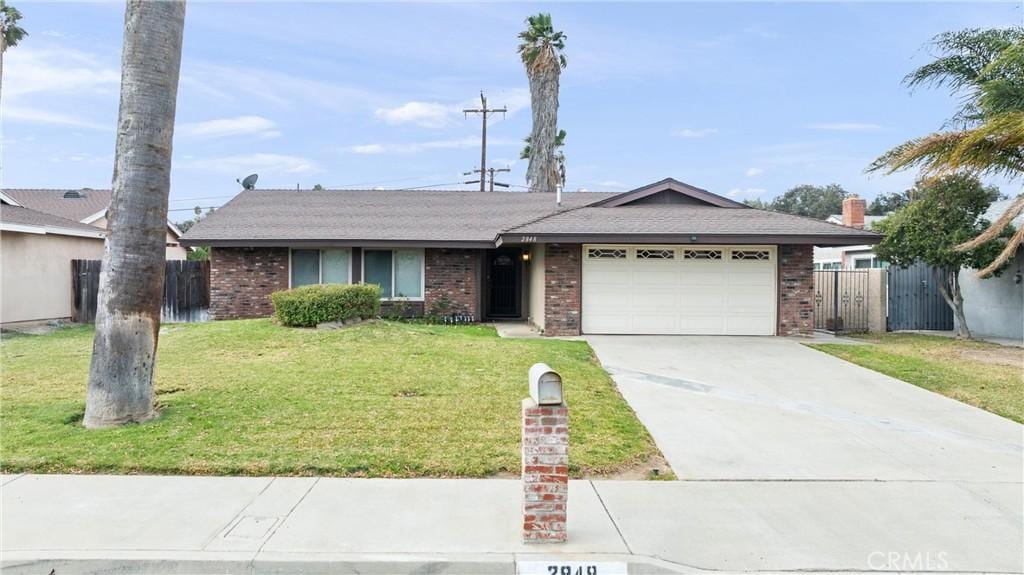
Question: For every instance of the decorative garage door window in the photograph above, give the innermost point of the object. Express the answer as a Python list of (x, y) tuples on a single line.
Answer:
[(763, 255), (606, 253), (655, 254), (702, 254)]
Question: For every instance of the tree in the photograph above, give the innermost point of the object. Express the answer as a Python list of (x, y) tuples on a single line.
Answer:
[(10, 32), (985, 68), (884, 204), (120, 388), (945, 212), (318, 188), (818, 202), (559, 153), (541, 51)]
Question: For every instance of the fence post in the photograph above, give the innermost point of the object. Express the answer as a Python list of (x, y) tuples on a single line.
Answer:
[(545, 466)]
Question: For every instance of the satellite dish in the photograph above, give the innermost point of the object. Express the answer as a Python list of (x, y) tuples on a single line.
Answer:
[(249, 183)]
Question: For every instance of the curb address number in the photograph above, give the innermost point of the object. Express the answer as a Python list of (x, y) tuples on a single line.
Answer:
[(570, 568)]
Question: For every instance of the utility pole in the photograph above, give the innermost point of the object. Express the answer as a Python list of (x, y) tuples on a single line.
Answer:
[(484, 111), (490, 177)]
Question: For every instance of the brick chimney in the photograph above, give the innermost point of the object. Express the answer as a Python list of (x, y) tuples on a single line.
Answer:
[(853, 211)]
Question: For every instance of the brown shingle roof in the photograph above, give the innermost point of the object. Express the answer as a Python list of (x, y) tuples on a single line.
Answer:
[(52, 201), (683, 220), (391, 215), (27, 217)]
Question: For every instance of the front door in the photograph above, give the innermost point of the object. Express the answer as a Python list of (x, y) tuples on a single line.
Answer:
[(504, 271)]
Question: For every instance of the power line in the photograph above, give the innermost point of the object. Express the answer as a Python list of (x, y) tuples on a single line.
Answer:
[(483, 110)]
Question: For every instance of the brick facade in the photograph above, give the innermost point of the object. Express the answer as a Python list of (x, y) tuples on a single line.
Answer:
[(451, 284), (545, 472), (562, 289), (796, 290), (242, 279)]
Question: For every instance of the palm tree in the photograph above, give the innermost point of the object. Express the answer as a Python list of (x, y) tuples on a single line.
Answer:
[(541, 51), (559, 153), (987, 139), (10, 32), (120, 388)]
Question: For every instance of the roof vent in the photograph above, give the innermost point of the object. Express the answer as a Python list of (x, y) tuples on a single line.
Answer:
[(73, 194)]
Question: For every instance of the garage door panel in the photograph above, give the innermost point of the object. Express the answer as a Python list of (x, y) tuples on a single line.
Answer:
[(631, 294)]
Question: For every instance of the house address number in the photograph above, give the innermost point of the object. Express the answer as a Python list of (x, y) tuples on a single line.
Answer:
[(570, 568), (528, 239)]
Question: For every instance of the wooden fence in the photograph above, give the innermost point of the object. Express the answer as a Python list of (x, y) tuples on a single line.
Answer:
[(186, 291)]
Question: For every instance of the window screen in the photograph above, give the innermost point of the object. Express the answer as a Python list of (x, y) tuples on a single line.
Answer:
[(305, 267), (335, 266), (377, 270), (408, 273)]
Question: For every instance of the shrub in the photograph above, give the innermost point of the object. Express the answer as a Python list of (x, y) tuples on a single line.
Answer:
[(307, 306)]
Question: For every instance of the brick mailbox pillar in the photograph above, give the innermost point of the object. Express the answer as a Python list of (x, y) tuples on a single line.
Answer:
[(545, 459)]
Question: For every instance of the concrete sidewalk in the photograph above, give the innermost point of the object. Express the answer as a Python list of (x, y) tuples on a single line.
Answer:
[(149, 524)]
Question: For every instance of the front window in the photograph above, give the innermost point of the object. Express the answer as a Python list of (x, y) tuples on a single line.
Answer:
[(326, 266), (399, 273)]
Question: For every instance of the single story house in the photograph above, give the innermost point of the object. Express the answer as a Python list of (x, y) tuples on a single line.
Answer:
[(41, 231), (87, 206), (667, 258), (850, 257), (994, 306), (36, 250)]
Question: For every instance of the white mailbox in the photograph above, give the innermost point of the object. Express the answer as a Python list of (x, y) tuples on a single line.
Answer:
[(545, 385)]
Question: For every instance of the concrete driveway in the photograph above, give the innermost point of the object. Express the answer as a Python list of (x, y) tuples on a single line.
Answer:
[(797, 459)]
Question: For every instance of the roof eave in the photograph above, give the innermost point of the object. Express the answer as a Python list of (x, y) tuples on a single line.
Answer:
[(823, 240), (327, 243)]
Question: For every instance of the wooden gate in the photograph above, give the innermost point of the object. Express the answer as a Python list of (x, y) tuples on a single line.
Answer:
[(186, 291), (915, 301), (841, 301)]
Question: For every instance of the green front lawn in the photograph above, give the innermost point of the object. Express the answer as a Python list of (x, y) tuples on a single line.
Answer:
[(984, 375), (252, 397)]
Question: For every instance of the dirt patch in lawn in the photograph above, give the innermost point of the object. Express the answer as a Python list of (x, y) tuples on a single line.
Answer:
[(1009, 356)]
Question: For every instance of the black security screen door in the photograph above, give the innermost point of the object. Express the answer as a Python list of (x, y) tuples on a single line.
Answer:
[(503, 271)]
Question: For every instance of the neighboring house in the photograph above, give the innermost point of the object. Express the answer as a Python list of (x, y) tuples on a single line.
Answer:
[(994, 306), (86, 206), (36, 250), (849, 257), (667, 258)]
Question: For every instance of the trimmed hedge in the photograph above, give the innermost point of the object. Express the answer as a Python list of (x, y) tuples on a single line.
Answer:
[(307, 306)]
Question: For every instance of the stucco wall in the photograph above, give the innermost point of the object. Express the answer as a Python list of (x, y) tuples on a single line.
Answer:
[(35, 274), (995, 306), (535, 286), (176, 252)]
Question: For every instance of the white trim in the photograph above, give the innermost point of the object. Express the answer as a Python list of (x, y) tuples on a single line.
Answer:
[(9, 200), (90, 219), (54, 230), (319, 264), (423, 272)]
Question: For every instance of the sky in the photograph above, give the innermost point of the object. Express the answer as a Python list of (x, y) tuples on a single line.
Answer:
[(746, 100)]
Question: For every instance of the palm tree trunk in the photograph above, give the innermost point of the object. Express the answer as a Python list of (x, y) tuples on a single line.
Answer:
[(542, 171), (131, 282)]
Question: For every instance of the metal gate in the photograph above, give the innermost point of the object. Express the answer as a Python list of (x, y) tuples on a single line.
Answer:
[(841, 301), (915, 301)]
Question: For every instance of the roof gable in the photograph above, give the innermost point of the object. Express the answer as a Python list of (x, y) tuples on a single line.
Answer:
[(669, 191)]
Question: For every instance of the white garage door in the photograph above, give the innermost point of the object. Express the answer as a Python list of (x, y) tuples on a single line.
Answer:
[(671, 289)]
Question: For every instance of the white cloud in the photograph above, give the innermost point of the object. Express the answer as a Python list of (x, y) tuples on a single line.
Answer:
[(256, 126), (416, 147), (751, 172), (690, 133), (846, 127), (64, 72), (426, 114), (259, 163), (746, 193), (36, 116)]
